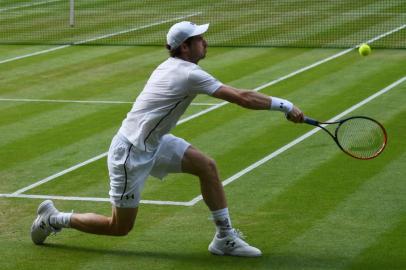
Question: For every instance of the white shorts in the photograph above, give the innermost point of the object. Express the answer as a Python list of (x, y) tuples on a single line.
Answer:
[(129, 167)]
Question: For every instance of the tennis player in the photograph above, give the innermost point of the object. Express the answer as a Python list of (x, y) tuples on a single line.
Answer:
[(144, 146)]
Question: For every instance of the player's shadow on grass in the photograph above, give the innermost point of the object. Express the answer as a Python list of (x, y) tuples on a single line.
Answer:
[(192, 257), (267, 261)]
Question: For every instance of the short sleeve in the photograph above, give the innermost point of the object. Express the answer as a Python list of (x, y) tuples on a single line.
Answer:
[(201, 82)]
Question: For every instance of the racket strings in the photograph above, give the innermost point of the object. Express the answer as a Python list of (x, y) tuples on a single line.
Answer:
[(361, 138)]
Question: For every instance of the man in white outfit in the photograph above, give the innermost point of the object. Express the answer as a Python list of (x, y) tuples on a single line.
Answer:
[(143, 146)]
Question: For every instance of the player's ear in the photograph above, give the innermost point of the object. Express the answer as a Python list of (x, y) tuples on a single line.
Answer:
[(184, 47)]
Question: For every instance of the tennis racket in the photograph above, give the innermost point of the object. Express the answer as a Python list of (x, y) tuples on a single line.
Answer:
[(358, 136)]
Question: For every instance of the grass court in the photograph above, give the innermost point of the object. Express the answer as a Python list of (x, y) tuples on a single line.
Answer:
[(305, 204)]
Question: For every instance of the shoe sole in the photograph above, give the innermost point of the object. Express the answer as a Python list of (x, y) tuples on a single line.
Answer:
[(42, 208), (218, 252), (35, 241), (215, 251)]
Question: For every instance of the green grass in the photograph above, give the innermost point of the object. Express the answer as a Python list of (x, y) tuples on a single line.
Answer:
[(311, 207)]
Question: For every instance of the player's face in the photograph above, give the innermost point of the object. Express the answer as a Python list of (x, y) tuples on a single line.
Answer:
[(198, 48)]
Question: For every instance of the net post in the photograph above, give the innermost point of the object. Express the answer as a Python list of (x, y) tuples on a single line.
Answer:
[(72, 13)]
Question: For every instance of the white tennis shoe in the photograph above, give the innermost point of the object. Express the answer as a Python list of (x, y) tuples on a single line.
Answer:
[(233, 245), (41, 228)]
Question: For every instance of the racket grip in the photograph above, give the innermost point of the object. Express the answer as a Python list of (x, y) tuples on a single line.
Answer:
[(311, 121)]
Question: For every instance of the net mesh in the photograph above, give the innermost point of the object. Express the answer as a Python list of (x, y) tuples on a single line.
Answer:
[(284, 23), (361, 137)]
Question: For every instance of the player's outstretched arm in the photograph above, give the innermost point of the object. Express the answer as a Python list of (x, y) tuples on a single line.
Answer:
[(247, 99), (257, 101)]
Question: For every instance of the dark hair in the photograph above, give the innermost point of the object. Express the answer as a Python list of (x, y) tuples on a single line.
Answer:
[(176, 52)]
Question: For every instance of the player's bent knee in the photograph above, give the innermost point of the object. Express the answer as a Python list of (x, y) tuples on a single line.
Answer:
[(122, 221), (208, 170), (197, 163), (211, 166), (121, 230)]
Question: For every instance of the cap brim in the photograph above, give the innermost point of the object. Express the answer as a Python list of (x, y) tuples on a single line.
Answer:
[(200, 29)]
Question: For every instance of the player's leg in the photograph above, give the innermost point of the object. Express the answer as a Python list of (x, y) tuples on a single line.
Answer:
[(119, 224), (196, 163), (227, 241), (51, 220), (176, 155), (128, 170)]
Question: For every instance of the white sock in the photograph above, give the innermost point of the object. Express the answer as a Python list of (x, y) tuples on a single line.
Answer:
[(60, 220), (222, 221)]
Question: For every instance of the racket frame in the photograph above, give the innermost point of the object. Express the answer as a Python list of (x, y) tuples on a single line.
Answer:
[(319, 124)]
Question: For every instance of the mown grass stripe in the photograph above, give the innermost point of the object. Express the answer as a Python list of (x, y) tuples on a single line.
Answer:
[(52, 138), (94, 78), (387, 252), (347, 230), (25, 172)]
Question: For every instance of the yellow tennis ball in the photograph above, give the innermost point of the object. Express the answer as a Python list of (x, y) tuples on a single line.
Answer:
[(364, 50)]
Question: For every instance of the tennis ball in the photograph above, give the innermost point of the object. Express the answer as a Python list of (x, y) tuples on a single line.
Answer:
[(364, 50)]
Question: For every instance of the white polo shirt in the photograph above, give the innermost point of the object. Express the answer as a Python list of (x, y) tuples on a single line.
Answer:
[(169, 91)]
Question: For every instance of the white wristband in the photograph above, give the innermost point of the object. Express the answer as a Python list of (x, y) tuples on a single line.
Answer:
[(279, 104)]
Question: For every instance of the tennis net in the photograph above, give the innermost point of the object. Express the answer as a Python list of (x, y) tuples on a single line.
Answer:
[(283, 23)]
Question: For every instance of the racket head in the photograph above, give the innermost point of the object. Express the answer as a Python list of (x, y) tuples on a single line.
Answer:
[(361, 137)]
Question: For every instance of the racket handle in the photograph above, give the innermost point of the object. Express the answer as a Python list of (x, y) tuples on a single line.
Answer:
[(311, 121)]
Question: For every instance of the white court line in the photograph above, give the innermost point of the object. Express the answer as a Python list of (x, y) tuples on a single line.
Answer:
[(186, 119), (89, 199), (49, 178), (98, 38), (301, 138), (235, 176), (87, 101), (29, 5), (33, 54)]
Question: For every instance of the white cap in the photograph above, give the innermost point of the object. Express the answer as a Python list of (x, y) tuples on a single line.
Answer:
[(181, 31)]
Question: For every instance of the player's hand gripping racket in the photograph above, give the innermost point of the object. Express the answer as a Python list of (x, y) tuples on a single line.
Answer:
[(358, 136)]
